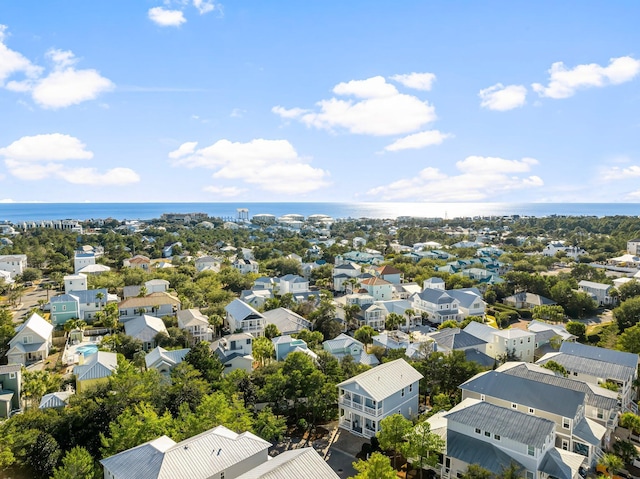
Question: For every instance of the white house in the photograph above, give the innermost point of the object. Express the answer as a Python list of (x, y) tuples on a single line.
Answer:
[(196, 323), (292, 283), (154, 304), (344, 345), (156, 286), (241, 316), (75, 282), (470, 302), (246, 265), (514, 344), (13, 263), (437, 304), (571, 251), (343, 272), (286, 320), (208, 263), (379, 288), (598, 291), (32, 341), (145, 328), (633, 247), (165, 360), (366, 399), (235, 352), (82, 259)]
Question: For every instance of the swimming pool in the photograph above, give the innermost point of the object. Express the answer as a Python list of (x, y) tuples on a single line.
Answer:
[(87, 349)]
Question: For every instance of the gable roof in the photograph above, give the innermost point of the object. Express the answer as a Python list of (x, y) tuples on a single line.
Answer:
[(488, 333), (470, 450), (144, 327), (386, 269), (286, 320), (374, 281), (541, 396), (241, 310), (171, 357), (57, 399), (455, 338), (36, 324), (466, 296), (628, 360), (303, 462), (198, 457), (594, 285), (518, 426), (98, 365), (386, 379), (153, 299), (191, 317)]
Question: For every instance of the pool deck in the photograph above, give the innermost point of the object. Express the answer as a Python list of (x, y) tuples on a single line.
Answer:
[(71, 354)]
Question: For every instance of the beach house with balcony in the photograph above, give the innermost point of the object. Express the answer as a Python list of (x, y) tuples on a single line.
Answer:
[(366, 399), (242, 317)]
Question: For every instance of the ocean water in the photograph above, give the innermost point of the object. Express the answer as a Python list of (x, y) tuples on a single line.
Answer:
[(14, 212)]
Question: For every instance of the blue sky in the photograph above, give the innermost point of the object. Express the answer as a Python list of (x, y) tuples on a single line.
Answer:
[(436, 101)]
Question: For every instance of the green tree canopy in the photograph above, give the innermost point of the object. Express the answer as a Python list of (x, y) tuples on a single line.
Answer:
[(377, 466)]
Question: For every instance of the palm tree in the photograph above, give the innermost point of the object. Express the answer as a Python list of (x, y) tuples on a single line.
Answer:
[(100, 297), (409, 313), (611, 463), (393, 321)]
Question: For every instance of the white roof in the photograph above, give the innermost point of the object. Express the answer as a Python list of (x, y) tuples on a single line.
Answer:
[(144, 327), (38, 325), (57, 399), (386, 379), (171, 357), (304, 462), (191, 317), (199, 457), (99, 365), (94, 268)]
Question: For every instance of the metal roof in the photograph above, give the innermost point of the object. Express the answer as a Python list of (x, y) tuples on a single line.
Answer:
[(455, 338), (476, 451), (57, 399), (38, 325), (594, 395), (542, 396), (10, 368), (191, 317), (171, 357), (145, 327), (386, 379), (589, 431), (198, 457), (591, 367), (241, 310), (294, 464), (286, 320), (561, 464), (98, 365), (518, 426), (629, 360)]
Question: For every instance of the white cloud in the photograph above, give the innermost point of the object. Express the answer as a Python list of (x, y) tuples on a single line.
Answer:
[(12, 62), (41, 157), (381, 110), (502, 98), (237, 113), (225, 191), (204, 6), (166, 18), (564, 82), (479, 178), (417, 81), (272, 165), (418, 140), (63, 86), (616, 173), (54, 146)]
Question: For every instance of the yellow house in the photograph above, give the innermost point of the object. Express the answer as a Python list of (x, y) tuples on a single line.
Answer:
[(96, 370)]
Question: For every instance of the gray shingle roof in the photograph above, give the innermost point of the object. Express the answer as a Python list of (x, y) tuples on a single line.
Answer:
[(518, 426), (286, 320), (454, 338), (435, 296), (545, 397)]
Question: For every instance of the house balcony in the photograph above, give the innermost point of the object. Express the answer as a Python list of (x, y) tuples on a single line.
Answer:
[(367, 432), (359, 406)]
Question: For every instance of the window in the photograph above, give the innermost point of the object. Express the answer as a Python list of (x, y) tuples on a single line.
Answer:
[(478, 430), (600, 414), (496, 437), (531, 410), (529, 475), (64, 307), (566, 423), (222, 475), (248, 341), (12, 375), (575, 373), (487, 434), (514, 405), (402, 392), (482, 397), (531, 450), (528, 340)]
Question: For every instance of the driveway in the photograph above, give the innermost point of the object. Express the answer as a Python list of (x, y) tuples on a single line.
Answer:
[(29, 301)]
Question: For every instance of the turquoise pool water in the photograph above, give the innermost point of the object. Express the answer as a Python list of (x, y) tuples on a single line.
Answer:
[(87, 349)]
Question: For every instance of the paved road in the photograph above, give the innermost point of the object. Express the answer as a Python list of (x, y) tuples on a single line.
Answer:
[(29, 301)]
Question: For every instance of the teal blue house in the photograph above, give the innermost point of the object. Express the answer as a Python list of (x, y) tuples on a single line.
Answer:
[(10, 384), (64, 308)]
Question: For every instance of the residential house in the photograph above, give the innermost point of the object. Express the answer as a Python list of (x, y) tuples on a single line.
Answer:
[(216, 453), (303, 462), (63, 308), (75, 282), (167, 251), (256, 298), (145, 328), (291, 283), (79, 304), (596, 366), (601, 405), (138, 261), (286, 321), (564, 406), (5, 277), (379, 288), (164, 360), (525, 300), (82, 259), (366, 399), (235, 352), (94, 269), (438, 305), (344, 345), (554, 247), (389, 273), (196, 323), (246, 265), (342, 272), (96, 369), (15, 264), (208, 263), (10, 389), (154, 304), (285, 345), (264, 283), (598, 291), (470, 302), (372, 315), (511, 344), (32, 341), (495, 438), (456, 339), (157, 286), (242, 317), (546, 333), (56, 400)]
